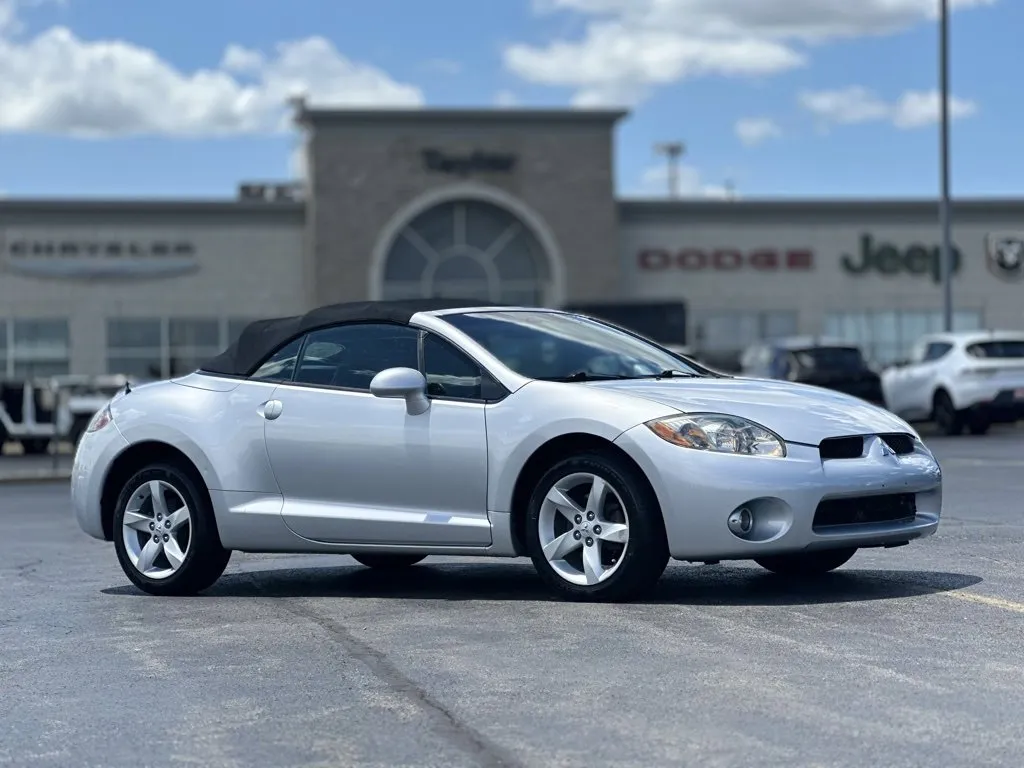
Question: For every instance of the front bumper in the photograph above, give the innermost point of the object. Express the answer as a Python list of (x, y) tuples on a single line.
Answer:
[(698, 492), (95, 453)]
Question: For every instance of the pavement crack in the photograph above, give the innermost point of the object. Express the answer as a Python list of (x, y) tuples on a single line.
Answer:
[(483, 751)]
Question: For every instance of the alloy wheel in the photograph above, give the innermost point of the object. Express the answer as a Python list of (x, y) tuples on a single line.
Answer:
[(584, 528), (157, 529)]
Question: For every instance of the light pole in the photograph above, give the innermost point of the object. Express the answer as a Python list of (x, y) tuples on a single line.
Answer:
[(944, 213), (672, 151)]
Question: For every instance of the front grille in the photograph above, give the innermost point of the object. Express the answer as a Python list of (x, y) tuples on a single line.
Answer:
[(899, 442), (852, 447), (842, 447), (863, 510)]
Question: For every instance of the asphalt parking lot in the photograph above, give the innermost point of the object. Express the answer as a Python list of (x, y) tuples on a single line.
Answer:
[(904, 657)]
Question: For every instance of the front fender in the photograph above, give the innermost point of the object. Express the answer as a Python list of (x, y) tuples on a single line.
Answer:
[(539, 412)]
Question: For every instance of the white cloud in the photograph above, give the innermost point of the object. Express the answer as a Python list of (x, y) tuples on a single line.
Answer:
[(630, 47), (754, 130), (917, 108), (654, 181), (505, 99), (58, 83), (857, 104)]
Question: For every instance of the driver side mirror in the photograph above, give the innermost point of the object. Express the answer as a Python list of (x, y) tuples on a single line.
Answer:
[(405, 383)]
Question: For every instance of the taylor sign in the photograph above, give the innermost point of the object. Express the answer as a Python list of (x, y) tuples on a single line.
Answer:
[(724, 259), (79, 258)]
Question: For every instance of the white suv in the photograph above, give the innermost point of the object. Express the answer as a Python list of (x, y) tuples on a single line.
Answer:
[(970, 378)]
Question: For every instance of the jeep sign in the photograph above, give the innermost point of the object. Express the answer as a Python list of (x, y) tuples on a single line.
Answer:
[(888, 259)]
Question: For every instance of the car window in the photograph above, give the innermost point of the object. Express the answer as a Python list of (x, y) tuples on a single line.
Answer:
[(830, 358), (552, 345), (936, 350), (281, 365), (1003, 349), (350, 356), (450, 372)]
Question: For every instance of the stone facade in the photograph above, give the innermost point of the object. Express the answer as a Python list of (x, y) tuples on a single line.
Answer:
[(366, 168)]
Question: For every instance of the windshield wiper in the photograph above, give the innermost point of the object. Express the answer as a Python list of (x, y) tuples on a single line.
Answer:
[(669, 374), (584, 376)]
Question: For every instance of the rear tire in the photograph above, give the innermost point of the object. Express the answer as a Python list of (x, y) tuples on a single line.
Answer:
[(978, 424), (137, 515), (946, 416), (807, 563), (387, 561), (611, 548)]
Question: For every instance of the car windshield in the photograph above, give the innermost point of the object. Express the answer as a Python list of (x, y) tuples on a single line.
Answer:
[(565, 347), (1006, 348), (830, 358)]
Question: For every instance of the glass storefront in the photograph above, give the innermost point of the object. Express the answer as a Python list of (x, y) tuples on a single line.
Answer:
[(36, 347), (160, 347), (886, 336)]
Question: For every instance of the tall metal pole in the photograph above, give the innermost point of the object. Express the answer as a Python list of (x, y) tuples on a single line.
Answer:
[(944, 213), (672, 151)]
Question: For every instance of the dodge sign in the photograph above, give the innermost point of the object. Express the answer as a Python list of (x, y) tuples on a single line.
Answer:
[(724, 259)]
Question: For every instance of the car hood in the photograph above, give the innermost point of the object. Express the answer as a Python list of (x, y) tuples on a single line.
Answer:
[(798, 413)]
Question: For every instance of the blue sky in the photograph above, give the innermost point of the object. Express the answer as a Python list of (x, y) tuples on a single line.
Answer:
[(182, 98)]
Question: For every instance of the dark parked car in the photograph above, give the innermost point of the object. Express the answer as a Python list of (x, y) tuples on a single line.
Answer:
[(832, 365)]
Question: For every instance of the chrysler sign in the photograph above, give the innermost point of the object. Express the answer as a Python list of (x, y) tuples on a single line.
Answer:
[(85, 257), (724, 259)]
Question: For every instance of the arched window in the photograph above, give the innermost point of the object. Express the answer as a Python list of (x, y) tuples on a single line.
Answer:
[(467, 249)]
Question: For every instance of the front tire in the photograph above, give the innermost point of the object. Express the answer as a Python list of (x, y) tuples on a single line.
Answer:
[(807, 563), (165, 534), (594, 529), (386, 561)]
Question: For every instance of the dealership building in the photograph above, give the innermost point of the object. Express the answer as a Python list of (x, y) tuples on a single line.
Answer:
[(509, 206)]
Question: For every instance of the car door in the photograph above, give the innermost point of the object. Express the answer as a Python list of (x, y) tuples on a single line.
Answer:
[(919, 383), (355, 468), (909, 389)]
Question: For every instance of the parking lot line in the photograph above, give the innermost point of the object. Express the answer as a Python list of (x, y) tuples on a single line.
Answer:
[(971, 462), (995, 602)]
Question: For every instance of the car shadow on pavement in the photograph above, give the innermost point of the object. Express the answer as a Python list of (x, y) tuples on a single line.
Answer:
[(510, 581)]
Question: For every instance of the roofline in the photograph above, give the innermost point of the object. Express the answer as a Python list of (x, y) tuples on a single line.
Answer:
[(151, 206), (640, 207), (305, 116)]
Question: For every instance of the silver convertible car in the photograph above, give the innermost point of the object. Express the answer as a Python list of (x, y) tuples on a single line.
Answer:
[(391, 431)]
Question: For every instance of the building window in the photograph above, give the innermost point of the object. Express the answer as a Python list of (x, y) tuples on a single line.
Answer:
[(887, 336), (467, 249), (135, 347), (33, 348), (192, 342), (722, 336), (159, 348)]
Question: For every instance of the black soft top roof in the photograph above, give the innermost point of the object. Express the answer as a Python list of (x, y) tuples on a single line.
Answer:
[(261, 337)]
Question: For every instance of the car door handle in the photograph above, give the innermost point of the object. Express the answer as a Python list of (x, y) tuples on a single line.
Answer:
[(271, 409)]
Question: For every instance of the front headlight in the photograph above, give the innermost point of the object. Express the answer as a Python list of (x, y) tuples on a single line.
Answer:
[(718, 433), (100, 419)]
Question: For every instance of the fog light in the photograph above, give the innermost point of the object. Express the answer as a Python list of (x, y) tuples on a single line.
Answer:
[(741, 521)]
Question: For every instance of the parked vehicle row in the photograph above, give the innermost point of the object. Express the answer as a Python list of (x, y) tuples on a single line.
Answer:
[(35, 412), (963, 380)]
